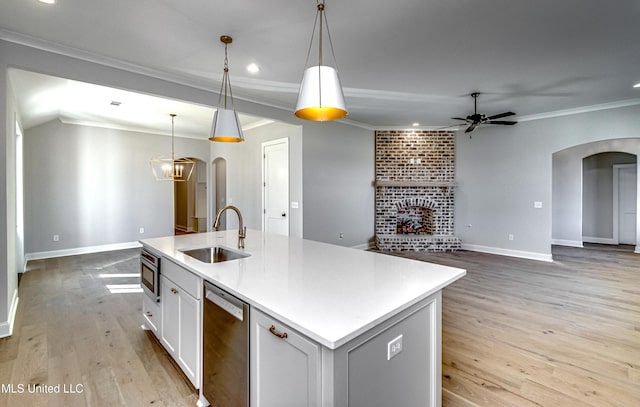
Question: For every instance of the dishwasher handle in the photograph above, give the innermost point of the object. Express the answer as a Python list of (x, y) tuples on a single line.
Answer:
[(224, 300)]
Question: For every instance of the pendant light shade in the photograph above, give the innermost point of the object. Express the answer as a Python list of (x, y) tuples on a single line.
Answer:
[(168, 168), (226, 125), (320, 97)]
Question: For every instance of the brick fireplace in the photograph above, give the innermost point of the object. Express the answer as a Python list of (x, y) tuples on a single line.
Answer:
[(415, 180)]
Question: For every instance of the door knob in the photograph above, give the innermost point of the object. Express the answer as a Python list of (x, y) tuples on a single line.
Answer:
[(284, 215)]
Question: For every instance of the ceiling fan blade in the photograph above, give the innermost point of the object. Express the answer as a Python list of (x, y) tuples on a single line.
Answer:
[(458, 118), (447, 127), (470, 128), (507, 122), (498, 116)]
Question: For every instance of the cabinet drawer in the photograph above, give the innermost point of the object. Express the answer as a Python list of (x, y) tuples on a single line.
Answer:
[(188, 281), (151, 314)]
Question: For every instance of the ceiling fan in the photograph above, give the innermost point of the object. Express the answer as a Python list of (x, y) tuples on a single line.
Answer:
[(477, 118)]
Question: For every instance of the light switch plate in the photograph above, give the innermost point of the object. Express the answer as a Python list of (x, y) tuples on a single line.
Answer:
[(537, 204)]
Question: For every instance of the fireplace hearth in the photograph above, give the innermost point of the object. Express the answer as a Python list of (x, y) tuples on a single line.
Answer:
[(415, 182)]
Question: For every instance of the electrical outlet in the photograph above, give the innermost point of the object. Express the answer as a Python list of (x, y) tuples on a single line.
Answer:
[(537, 204), (511, 237), (141, 230), (56, 238), (341, 236), (394, 347)]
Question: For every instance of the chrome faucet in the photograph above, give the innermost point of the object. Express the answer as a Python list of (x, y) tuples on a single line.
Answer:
[(242, 230)]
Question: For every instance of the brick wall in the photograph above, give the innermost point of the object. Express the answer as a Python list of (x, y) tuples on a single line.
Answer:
[(409, 157), (432, 152)]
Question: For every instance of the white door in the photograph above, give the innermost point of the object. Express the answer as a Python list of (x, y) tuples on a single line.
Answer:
[(627, 192), (275, 182)]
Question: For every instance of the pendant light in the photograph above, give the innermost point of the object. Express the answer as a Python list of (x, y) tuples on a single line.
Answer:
[(167, 168), (320, 96), (226, 125)]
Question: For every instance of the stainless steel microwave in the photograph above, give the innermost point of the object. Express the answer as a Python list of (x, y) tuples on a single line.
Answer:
[(150, 274)]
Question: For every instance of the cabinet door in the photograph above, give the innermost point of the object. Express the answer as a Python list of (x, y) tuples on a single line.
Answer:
[(285, 372), (151, 315), (189, 337), (169, 303)]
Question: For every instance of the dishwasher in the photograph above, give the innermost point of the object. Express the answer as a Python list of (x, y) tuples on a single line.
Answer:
[(225, 349)]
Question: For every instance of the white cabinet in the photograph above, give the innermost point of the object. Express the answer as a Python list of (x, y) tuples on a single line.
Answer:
[(170, 300), (298, 372), (285, 365), (151, 315), (180, 331)]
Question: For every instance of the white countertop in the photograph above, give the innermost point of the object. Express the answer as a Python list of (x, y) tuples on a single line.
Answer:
[(330, 293)]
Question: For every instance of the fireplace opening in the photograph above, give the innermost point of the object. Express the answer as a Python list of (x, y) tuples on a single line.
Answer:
[(414, 220)]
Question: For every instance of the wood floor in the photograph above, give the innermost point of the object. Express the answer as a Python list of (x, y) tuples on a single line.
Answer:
[(515, 333), (71, 331), (528, 333)]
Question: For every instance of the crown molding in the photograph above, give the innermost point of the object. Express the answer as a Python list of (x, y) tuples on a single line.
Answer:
[(113, 126), (579, 110), (56, 48)]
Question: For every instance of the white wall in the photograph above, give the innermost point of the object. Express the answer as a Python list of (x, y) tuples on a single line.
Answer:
[(93, 186), (244, 174), (502, 170), (12, 261), (339, 172)]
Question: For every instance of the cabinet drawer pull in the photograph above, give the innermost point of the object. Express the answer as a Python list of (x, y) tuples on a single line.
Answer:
[(149, 314), (173, 290), (282, 335)]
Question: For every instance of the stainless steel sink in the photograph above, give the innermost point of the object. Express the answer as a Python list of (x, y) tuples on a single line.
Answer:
[(214, 254)]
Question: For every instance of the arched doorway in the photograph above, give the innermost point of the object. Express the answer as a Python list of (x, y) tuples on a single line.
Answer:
[(190, 201), (569, 191)]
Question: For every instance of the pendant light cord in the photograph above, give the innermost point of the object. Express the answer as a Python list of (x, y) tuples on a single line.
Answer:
[(225, 86), (319, 16), (173, 156)]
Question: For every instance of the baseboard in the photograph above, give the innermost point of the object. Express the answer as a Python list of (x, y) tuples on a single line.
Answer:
[(6, 328), (508, 252), (570, 243), (81, 250), (600, 240), (364, 246)]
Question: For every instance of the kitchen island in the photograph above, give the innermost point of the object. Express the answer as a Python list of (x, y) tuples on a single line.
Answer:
[(370, 323)]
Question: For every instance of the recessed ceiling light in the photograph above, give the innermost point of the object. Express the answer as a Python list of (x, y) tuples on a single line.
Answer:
[(253, 68), (47, 1), (637, 85), (416, 124)]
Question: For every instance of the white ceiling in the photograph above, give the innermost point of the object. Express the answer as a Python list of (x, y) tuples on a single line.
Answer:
[(42, 98), (400, 61)]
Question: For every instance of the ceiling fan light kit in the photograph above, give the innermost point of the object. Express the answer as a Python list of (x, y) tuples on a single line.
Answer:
[(226, 125), (320, 97)]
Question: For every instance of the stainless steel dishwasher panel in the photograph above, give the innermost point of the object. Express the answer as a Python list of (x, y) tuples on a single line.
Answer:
[(225, 353)]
